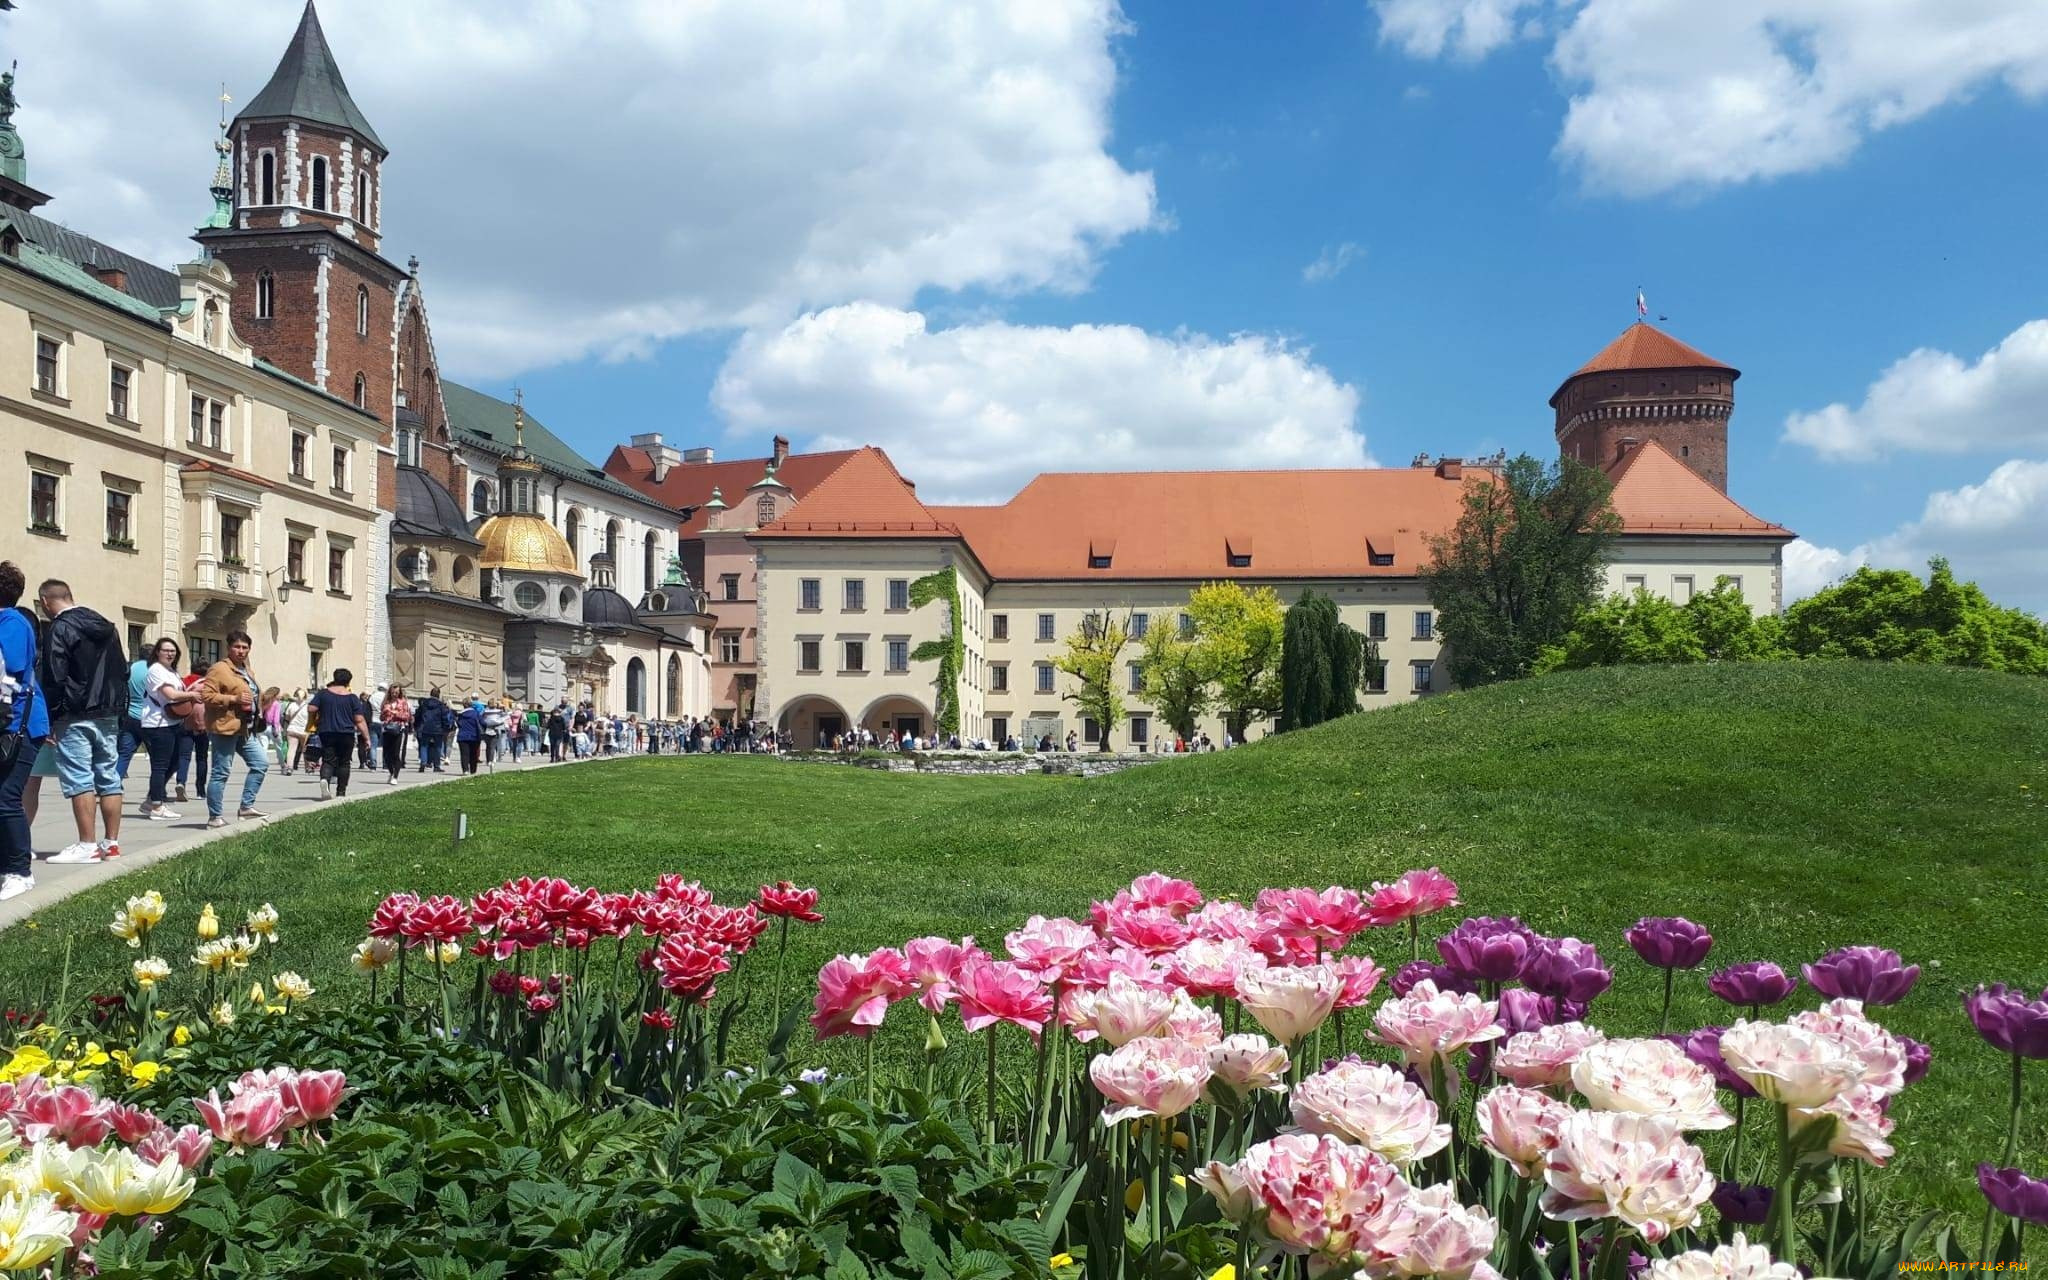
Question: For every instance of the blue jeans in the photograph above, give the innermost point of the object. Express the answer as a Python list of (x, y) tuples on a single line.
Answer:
[(224, 748), (86, 754), (125, 748)]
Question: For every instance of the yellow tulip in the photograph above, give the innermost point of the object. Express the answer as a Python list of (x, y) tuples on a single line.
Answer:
[(151, 971), (33, 1230), (27, 1060), (224, 1014), (147, 910), (1059, 1261), (209, 924), (255, 993), (238, 950), (373, 954), (145, 1072), (1134, 1195), (10, 1141), (1228, 1271), (263, 922), (181, 1035), (126, 927), (291, 986), (114, 1180)]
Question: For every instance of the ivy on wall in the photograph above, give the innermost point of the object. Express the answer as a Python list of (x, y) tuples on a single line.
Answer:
[(949, 650)]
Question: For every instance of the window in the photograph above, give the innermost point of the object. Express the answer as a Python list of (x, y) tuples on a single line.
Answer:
[(1685, 451), (567, 599), (1140, 624), (120, 528), (416, 567), (728, 646), (42, 503), (999, 626), (197, 431), (1240, 561), (362, 392), (1424, 673), (856, 595), (231, 539), (1376, 625), (480, 498), (120, 379), (999, 730), (266, 296), (408, 447), (809, 594), (807, 655), (362, 195), (529, 596), (337, 569), (899, 655), (572, 524), (49, 365), (999, 677), (1632, 583), (1381, 558), (1734, 580), (1141, 731), (1187, 626), (316, 660), (1425, 624), (319, 182), (362, 311), (1044, 677), (899, 594), (295, 561), (1090, 730), (1137, 678), (729, 586), (764, 511), (1046, 629), (341, 461), (300, 441), (216, 425), (267, 167), (1376, 677), (1681, 588), (854, 656), (1098, 562)]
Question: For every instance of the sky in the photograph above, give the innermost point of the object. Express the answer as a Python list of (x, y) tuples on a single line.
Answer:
[(998, 239)]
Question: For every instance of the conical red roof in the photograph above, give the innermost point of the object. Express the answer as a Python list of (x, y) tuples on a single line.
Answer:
[(1644, 346)]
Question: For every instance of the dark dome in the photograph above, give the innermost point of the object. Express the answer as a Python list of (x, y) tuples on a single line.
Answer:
[(426, 509), (604, 607)]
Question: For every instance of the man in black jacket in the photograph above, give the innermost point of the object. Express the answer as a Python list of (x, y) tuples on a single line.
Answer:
[(85, 678)]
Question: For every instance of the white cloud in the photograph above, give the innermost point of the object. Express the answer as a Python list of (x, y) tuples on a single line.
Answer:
[(1330, 263), (1466, 29), (972, 412), (592, 176), (1683, 95), (1993, 533), (1933, 402)]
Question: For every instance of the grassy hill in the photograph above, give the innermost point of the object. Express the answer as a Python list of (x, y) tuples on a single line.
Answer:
[(1790, 807)]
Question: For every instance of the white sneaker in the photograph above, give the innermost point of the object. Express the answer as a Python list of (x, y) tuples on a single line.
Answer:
[(15, 886), (161, 814), (326, 792), (83, 851)]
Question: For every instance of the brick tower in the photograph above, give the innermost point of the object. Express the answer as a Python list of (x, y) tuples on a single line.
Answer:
[(298, 224), (1647, 385)]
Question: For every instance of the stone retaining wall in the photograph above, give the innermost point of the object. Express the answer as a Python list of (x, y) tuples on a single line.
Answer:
[(1080, 765)]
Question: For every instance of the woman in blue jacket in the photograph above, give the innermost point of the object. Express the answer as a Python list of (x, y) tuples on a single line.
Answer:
[(23, 726), (469, 733)]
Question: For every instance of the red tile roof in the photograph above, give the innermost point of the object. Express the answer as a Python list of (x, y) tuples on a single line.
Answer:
[(864, 497), (689, 484), (1644, 346), (1655, 493), (233, 473), (1185, 525)]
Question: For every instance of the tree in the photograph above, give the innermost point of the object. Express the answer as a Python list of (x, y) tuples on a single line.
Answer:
[(1174, 683), (1525, 559), (1237, 649), (1322, 664), (1091, 659), (1889, 615)]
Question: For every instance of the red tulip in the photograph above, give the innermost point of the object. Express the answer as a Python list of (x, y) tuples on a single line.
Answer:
[(789, 902)]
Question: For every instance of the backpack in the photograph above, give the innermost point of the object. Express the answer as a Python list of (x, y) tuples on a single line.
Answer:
[(190, 714)]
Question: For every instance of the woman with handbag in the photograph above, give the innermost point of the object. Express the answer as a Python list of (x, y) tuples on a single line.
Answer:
[(397, 722), (165, 703)]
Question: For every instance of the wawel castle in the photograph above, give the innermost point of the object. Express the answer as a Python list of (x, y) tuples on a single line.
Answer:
[(261, 439)]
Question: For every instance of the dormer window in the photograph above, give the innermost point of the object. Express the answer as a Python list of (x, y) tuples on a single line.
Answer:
[(1237, 550), (319, 195), (765, 510), (408, 447), (1098, 562), (1240, 561), (1378, 557)]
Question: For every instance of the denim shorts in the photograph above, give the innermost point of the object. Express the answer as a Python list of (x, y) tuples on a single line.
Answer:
[(86, 757)]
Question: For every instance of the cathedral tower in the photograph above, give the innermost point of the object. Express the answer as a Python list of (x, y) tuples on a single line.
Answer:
[(312, 293), (1647, 385)]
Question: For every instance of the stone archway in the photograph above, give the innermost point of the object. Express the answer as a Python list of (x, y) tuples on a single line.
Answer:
[(636, 687), (897, 714), (811, 722)]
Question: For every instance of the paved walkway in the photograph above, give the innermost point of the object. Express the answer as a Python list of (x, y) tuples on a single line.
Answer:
[(144, 842)]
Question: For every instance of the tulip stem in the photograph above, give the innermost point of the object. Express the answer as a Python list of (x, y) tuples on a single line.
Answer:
[(871, 1068), (1735, 1158), (2012, 1146), (992, 1085), (1572, 1243), (1664, 1020), (1414, 938), (1610, 1235), (1788, 1239)]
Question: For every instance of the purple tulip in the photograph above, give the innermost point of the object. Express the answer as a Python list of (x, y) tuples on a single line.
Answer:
[(1918, 1058), (1415, 971), (1745, 1203), (1704, 1047), (1567, 969), (1522, 1010), (2008, 1020), (1753, 984), (1873, 975), (2014, 1194), (1670, 942), (1488, 949)]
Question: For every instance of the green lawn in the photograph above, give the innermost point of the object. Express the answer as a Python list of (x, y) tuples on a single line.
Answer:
[(1790, 807)]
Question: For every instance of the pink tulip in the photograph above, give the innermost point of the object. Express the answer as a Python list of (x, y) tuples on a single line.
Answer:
[(1737, 1260), (1652, 1077), (1150, 1077), (1209, 966), (1247, 1064), (1194, 1023), (1289, 1001), (388, 920), (933, 964), (1635, 1168), (1330, 917), (1791, 1064), (1228, 1188), (315, 1095), (1373, 1105), (1336, 1204), (1112, 958), (689, 894), (1862, 1128), (1543, 1058), (1358, 977), (1223, 919), (1151, 931), (1125, 1010), (132, 1124), (1416, 893), (1156, 892), (1520, 1126), (995, 991), (253, 1118), (1451, 1241), (1428, 1025), (189, 1143), (433, 921), (1882, 1054), (854, 992), (1052, 947)]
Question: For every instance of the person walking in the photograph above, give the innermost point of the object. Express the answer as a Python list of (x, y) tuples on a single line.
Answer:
[(295, 729), (165, 700), (431, 721), (231, 731), (85, 680), (397, 721), (558, 735), (343, 727), (192, 741), (24, 725), (130, 740), (469, 733)]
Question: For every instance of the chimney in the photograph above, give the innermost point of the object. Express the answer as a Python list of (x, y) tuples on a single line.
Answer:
[(1450, 468), (699, 456), (663, 456), (1623, 447), (112, 277), (781, 450)]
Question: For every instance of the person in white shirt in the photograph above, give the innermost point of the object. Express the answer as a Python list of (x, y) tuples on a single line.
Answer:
[(164, 697)]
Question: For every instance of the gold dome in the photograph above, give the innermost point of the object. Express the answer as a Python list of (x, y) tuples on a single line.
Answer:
[(521, 543)]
